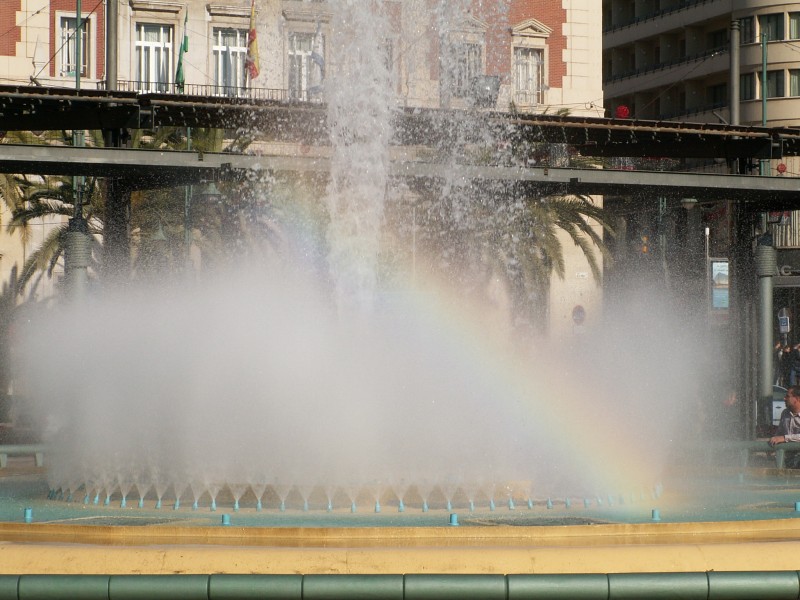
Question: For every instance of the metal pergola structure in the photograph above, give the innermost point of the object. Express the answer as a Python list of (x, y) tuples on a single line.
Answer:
[(172, 168), (30, 108)]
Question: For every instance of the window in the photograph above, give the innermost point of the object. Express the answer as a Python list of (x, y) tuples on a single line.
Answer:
[(775, 84), (529, 65), (67, 46), (153, 57), (461, 66), (389, 60), (229, 52), (794, 82), (747, 30), (468, 66), (794, 26), (718, 39), (747, 86), (718, 94), (528, 76), (306, 64), (772, 25)]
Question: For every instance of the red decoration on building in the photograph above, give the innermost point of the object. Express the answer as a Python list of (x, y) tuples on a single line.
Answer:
[(622, 112)]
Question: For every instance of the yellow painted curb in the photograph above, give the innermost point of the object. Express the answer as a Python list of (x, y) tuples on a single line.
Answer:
[(770, 545)]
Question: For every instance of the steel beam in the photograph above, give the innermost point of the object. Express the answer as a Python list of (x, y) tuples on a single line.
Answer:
[(152, 169)]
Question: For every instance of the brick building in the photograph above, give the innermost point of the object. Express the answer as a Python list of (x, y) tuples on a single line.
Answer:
[(537, 55)]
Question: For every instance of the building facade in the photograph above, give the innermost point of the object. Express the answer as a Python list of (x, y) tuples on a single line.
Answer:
[(532, 56), (670, 59)]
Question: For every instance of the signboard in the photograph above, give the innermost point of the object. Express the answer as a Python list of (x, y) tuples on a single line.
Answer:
[(719, 284), (779, 217)]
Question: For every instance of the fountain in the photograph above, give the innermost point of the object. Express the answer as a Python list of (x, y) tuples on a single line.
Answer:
[(340, 399)]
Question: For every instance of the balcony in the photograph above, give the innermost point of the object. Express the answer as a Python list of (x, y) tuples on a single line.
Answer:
[(684, 60), (210, 90), (686, 5)]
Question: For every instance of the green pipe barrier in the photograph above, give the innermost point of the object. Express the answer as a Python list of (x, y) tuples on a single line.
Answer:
[(712, 585), (764, 585), (264, 587), (163, 587), (449, 587), (581, 586), (353, 587), (687, 586), (54, 587)]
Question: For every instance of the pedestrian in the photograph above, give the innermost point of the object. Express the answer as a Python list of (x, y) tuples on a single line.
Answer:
[(789, 426)]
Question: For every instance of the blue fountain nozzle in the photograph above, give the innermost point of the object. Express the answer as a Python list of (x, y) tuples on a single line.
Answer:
[(656, 515)]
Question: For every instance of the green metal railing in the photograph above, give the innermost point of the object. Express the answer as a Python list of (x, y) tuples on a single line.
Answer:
[(729, 585)]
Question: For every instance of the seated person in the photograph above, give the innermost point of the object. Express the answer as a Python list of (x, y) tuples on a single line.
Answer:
[(789, 426)]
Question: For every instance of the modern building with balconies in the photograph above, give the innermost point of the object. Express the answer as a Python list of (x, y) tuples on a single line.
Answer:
[(671, 59)]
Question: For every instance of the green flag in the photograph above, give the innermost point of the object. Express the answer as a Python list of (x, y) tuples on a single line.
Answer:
[(180, 80)]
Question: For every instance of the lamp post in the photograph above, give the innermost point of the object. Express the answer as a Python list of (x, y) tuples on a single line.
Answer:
[(77, 247), (766, 268)]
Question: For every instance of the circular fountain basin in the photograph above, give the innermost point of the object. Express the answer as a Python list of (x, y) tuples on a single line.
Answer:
[(743, 521)]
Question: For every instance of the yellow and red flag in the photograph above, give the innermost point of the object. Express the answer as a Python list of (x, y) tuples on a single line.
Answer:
[(251, 61)]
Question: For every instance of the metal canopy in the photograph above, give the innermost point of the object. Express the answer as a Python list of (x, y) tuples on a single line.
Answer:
[(31, 108), (152, 168)]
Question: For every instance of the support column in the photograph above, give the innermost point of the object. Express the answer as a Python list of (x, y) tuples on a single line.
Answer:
[(77, 257), (742, 345), (766, 269)]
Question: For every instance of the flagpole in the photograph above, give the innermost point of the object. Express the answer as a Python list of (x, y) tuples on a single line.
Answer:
[(180, 78), (251, 60)]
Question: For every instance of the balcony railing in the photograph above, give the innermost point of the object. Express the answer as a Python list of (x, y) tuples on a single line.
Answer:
[(687, 4), (528, 97), (222, 91), (683, 114), (669, 64)]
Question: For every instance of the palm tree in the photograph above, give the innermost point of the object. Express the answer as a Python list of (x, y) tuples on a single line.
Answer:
[(52, 199), (45, 198), (468, 239)]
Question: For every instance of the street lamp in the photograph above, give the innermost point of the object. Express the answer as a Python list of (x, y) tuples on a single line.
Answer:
[(208, 192)]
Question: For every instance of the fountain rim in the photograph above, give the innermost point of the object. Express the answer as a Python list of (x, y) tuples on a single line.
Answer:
[(544, 535), (764, 545)]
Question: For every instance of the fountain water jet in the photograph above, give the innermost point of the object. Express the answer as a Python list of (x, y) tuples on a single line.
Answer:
[(342, 378)]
